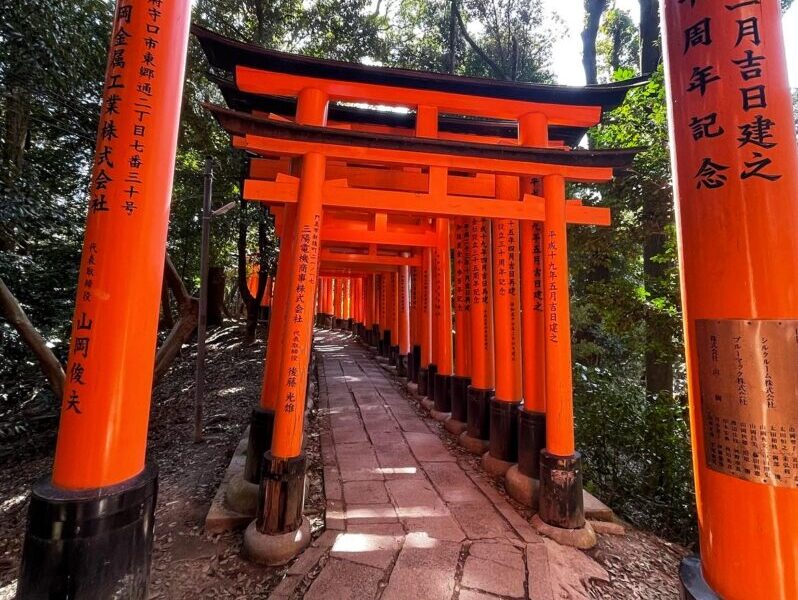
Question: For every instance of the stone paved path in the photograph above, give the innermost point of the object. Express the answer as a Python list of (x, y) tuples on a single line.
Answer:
[(405, 520)]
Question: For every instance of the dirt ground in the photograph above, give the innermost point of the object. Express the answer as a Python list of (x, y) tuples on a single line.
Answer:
[(187, 562)]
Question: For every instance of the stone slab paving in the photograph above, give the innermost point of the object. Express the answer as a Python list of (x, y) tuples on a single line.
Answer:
[(405, 520)]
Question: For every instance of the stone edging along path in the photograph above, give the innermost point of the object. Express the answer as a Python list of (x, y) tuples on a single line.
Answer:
[(406, 518)]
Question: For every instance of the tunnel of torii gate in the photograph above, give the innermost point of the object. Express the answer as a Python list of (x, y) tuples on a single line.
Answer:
[(437, 236)]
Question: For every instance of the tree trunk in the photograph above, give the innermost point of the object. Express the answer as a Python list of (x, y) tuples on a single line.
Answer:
[(167, 320), (451, 59), (656, 216), (650, 44), (215, 296), (50, 366), (186, 323), (593, 11), (252, 303)]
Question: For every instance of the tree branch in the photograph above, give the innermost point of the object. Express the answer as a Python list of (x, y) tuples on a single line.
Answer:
[(497, 70), (51, 367)]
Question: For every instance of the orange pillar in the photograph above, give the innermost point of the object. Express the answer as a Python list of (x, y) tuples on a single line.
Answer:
[(374, 322), (442, 319), (477, 434), (532, 131), (425, 324), (507, 331), (404, 320), (102, 436), (348, 302), (560, 465), (735, 167), (462, 325), (393, 313), (385, 325), (340, 301), (282, 488), (414, 359)]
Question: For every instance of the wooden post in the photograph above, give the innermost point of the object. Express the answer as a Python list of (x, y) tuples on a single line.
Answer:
[(74, 547), (503, 451), (735, 167), (456, 424), (280, 503), (561, 503), (475, 438)]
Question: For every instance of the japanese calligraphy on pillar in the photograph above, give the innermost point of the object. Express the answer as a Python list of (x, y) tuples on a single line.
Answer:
[(724, 90), (462, 277), (479, 241), (748, 385), (120, 159), (552, 247), (537, 266), (301, 308)]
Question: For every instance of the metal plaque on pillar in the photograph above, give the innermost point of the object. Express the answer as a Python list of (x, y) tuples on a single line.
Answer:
[(748, 373)]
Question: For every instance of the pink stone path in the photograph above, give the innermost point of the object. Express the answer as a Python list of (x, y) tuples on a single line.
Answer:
[(404, 519)]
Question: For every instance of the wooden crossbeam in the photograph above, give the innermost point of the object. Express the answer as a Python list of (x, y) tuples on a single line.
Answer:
[(400, 179), (328, 256), (277, 146), (261, 81), (337, 194)]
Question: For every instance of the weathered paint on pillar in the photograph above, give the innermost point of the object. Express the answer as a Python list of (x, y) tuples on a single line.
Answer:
[(102, 434), (735, 163), (506, 298), (557, 314), (481, 310)]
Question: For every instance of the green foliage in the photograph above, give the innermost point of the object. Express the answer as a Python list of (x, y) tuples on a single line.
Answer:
[(636, 443), (52, 60)]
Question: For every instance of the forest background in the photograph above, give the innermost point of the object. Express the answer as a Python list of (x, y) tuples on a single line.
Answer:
[(631, 404)]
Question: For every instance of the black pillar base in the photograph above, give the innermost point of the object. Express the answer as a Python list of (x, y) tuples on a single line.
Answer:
[(693, 585), (330, 322), (411, 367), (531, 440), (561, 503), (375, 335), (350, 324), (442, 395), (393, 358), (423, 381), (429, 392), (261, 428), (386, 343), (504, 430), (478, 412), (416, 362), (459, 397), (89, 544), (401, 365), (338, 323), (282, 494)]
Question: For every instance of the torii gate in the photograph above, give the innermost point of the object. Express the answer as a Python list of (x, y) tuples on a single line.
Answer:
[(310, 138)]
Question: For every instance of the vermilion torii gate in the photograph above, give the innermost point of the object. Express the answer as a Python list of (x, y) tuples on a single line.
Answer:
[(318, 169)]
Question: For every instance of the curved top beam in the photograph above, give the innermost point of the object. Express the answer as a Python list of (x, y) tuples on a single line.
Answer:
[(227, 54)]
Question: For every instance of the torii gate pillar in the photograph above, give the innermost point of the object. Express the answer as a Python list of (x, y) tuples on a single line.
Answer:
[(280, 530), (735, 164), (89, 530)]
